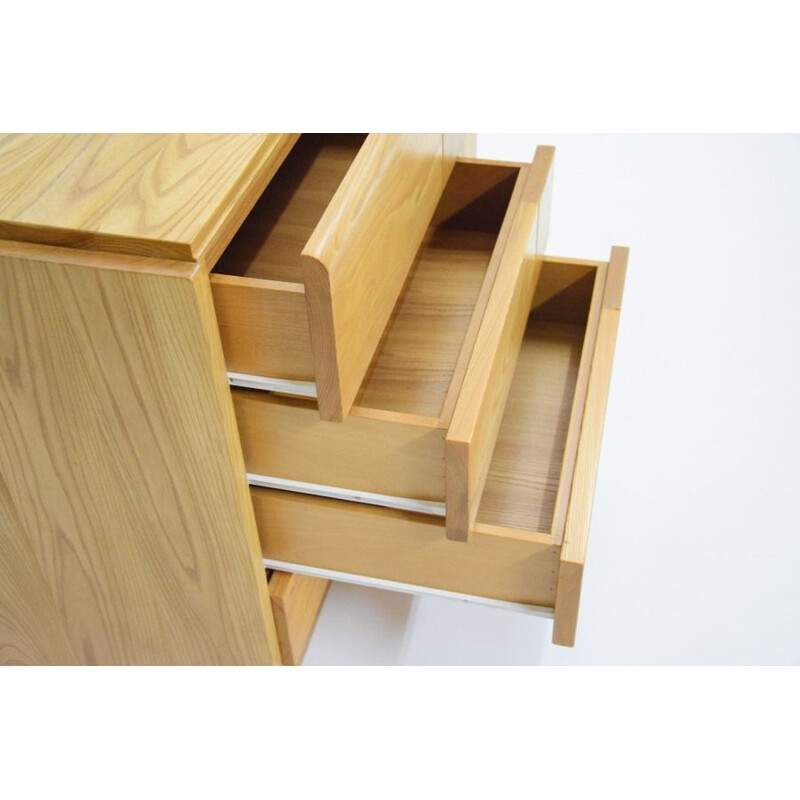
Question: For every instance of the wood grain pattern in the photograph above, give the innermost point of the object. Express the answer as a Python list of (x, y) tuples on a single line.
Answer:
[(284, 437), (264, 327), (475, 174), (578, 401), (343, 216), (414, 365), (576, 533), (125, 510), (31, 625), (257, 282), (296, 603), (479, 409), (360, 254), (178, 196), (524, 474), (270, 242), (404, 547), (392, 442)]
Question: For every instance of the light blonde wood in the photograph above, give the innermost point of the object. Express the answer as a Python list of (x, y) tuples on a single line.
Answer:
[(523, 478), (477, 195), (344, 216), (404, 547), (498, 192), (617, 270), (296, 603), (558, 276), (123, 492), (360, 254), (179, 196), (264, 327), (269, 245), (387, 445), (257, 283), (530, 476), (578, 403), (284, 437), (416, 361), (568, 598), (31, 625), (576, 534), (479, 410)]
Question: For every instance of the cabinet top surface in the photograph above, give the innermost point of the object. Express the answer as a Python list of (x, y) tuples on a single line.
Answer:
[(152, 194)]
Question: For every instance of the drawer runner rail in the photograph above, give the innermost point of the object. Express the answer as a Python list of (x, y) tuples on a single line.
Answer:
[(406, 588), (431, 507)]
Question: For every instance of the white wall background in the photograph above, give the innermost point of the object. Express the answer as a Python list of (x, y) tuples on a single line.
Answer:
[(694, 553)]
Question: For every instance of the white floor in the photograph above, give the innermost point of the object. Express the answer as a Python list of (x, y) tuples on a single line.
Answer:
[(695, 545)]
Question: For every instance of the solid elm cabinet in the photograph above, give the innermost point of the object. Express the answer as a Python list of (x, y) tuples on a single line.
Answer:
[(324, 355)]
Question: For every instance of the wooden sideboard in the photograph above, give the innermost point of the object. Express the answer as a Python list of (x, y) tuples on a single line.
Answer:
[(236, 366)]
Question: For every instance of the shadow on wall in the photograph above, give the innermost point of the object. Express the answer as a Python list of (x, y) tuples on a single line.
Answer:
[(363, 626)]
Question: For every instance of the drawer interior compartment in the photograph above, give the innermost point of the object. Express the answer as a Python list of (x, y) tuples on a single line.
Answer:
[(306, 287), (530, 473), (460, 316), (269, 245), (528, 543)]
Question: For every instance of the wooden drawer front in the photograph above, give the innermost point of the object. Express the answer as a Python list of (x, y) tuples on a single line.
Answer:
[(335, 231), (404, 547), (528, 541), (296, 603), (443, 368)]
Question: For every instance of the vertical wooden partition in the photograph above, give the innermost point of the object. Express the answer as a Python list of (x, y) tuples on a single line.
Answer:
[(126, 530)]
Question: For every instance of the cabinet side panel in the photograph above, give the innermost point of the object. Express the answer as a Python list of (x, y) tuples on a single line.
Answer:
[(120, 469)]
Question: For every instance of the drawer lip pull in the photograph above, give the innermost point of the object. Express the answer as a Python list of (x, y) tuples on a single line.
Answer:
[(294, 388), (429, 507), (406, 588)]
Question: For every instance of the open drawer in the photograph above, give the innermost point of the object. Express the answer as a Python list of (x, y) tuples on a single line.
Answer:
[(305, 288), (528, 543), (421, 433)]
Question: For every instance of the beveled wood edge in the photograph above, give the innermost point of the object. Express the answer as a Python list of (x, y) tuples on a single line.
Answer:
[(324, 349), (208, 244), (95, 242), (541, 174), (296, 604), (617, 270), (576, 533), (95, 259)]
